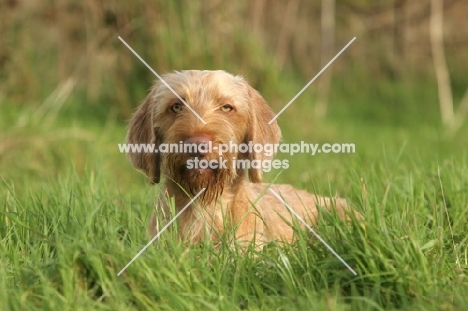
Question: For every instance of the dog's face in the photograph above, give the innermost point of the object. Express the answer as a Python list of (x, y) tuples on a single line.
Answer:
[(234, 113)]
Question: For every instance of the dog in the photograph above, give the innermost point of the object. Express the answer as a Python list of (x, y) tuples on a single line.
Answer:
[(232, 199)]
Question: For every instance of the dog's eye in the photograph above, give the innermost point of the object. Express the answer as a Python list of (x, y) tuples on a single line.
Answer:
[(177, 107), (226, 108)]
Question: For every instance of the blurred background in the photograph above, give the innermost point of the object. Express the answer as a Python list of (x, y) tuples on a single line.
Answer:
[(68, 86)]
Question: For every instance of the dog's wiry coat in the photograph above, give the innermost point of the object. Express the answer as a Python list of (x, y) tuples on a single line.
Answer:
[(236, 113)]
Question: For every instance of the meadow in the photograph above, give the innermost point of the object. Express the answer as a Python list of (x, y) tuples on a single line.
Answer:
[(74, 212)]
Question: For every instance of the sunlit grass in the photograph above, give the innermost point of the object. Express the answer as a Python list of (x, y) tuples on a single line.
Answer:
[(74, 213)]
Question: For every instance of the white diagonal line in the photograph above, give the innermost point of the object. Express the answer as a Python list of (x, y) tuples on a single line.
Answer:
[(313, 79), (160, 232), (164, 82), (313, 231)]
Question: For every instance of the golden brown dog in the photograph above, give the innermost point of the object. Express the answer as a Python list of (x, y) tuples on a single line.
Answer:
[(234, 113)]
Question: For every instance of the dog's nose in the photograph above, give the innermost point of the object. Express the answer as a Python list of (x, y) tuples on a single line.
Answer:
[(198, 145)]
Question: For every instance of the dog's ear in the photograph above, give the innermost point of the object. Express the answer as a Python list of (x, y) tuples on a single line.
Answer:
[(259, 131), (142, 131)]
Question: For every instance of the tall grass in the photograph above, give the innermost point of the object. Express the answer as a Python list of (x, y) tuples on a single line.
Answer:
[(74, 213)]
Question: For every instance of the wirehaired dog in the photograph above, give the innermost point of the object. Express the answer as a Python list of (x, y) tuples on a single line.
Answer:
[(234, 197)]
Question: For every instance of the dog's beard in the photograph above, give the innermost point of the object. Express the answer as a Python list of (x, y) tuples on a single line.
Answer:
[(193, 180)]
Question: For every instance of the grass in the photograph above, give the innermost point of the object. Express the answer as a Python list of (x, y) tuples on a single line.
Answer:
[(74, 212)]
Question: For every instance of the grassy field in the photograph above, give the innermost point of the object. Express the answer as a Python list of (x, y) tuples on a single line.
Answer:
[(74, 212)]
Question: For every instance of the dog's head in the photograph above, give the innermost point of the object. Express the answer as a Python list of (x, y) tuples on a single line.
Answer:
[(234, 113)]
